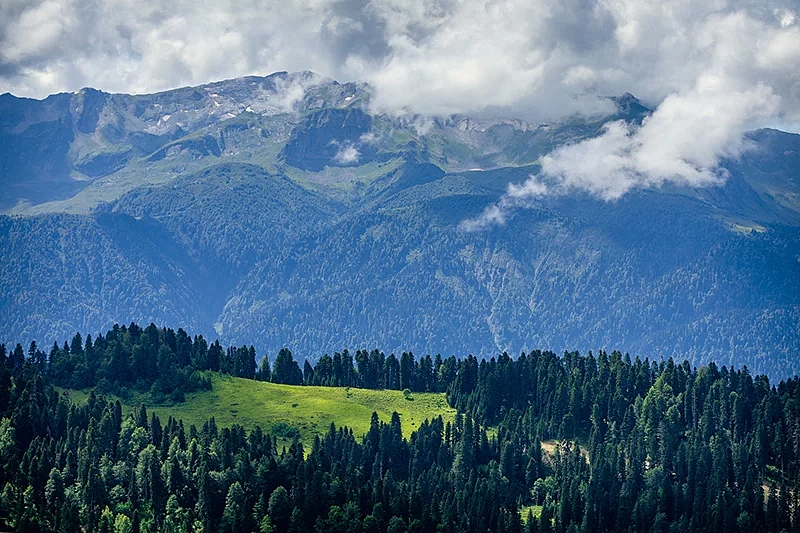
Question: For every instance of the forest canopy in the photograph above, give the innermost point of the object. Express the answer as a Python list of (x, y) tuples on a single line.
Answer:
[(541, 443)]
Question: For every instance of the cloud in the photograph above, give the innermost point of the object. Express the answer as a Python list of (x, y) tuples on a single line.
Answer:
[(347, 155), (491, 215), (536, 58), (121, 45), (291, 90), (681, 142), (709, 69), (500, 212), (786, 17), (749, 81)]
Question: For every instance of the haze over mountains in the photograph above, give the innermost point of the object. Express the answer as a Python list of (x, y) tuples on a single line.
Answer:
[(282, 211)]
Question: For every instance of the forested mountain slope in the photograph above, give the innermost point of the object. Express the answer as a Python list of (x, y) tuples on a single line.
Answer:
[(311, 223), (62, 272)]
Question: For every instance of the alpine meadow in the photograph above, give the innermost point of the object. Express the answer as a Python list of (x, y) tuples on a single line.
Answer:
[(391, 266)]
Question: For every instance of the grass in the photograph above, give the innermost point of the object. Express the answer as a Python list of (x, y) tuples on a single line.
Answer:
[(143, 172), (78, 397), (549, 448), (341, 182), (536, 510), (310, 410)]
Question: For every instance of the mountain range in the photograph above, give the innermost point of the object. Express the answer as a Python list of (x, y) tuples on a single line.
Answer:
[(282, 211)]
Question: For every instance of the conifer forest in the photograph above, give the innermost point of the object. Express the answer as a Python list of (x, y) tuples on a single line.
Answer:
[(541, 443)]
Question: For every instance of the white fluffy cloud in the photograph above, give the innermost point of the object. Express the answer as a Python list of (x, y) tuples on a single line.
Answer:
[(710, 69), (347, 155), (540, 58), (680, 142)]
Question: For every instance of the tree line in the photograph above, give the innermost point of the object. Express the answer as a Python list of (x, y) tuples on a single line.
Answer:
[(169, 363)]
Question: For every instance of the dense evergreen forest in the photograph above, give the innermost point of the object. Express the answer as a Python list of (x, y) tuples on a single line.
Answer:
[(632, 445), (169, 363)]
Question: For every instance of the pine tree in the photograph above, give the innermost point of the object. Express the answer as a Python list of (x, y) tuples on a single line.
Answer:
[(264, 373), (233, 517), (286, 370), (280, 509)]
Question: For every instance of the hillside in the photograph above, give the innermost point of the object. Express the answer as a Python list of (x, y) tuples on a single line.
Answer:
[(310, 410), (718, 446), (316, 224)]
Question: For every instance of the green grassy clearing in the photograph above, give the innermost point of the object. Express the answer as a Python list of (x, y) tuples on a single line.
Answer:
[(310, 410), (340, 182), (536, 510), (549, 448)]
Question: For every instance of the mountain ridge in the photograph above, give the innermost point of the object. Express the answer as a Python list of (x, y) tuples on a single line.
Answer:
[(305, 221)]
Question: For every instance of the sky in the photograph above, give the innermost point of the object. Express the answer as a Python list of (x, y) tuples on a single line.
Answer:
[(710, 69)]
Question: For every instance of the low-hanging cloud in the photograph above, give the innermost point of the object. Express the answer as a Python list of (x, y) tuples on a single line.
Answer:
[(749, 80), (711, 70), (681, 143), (347, 155), (290, 91)]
